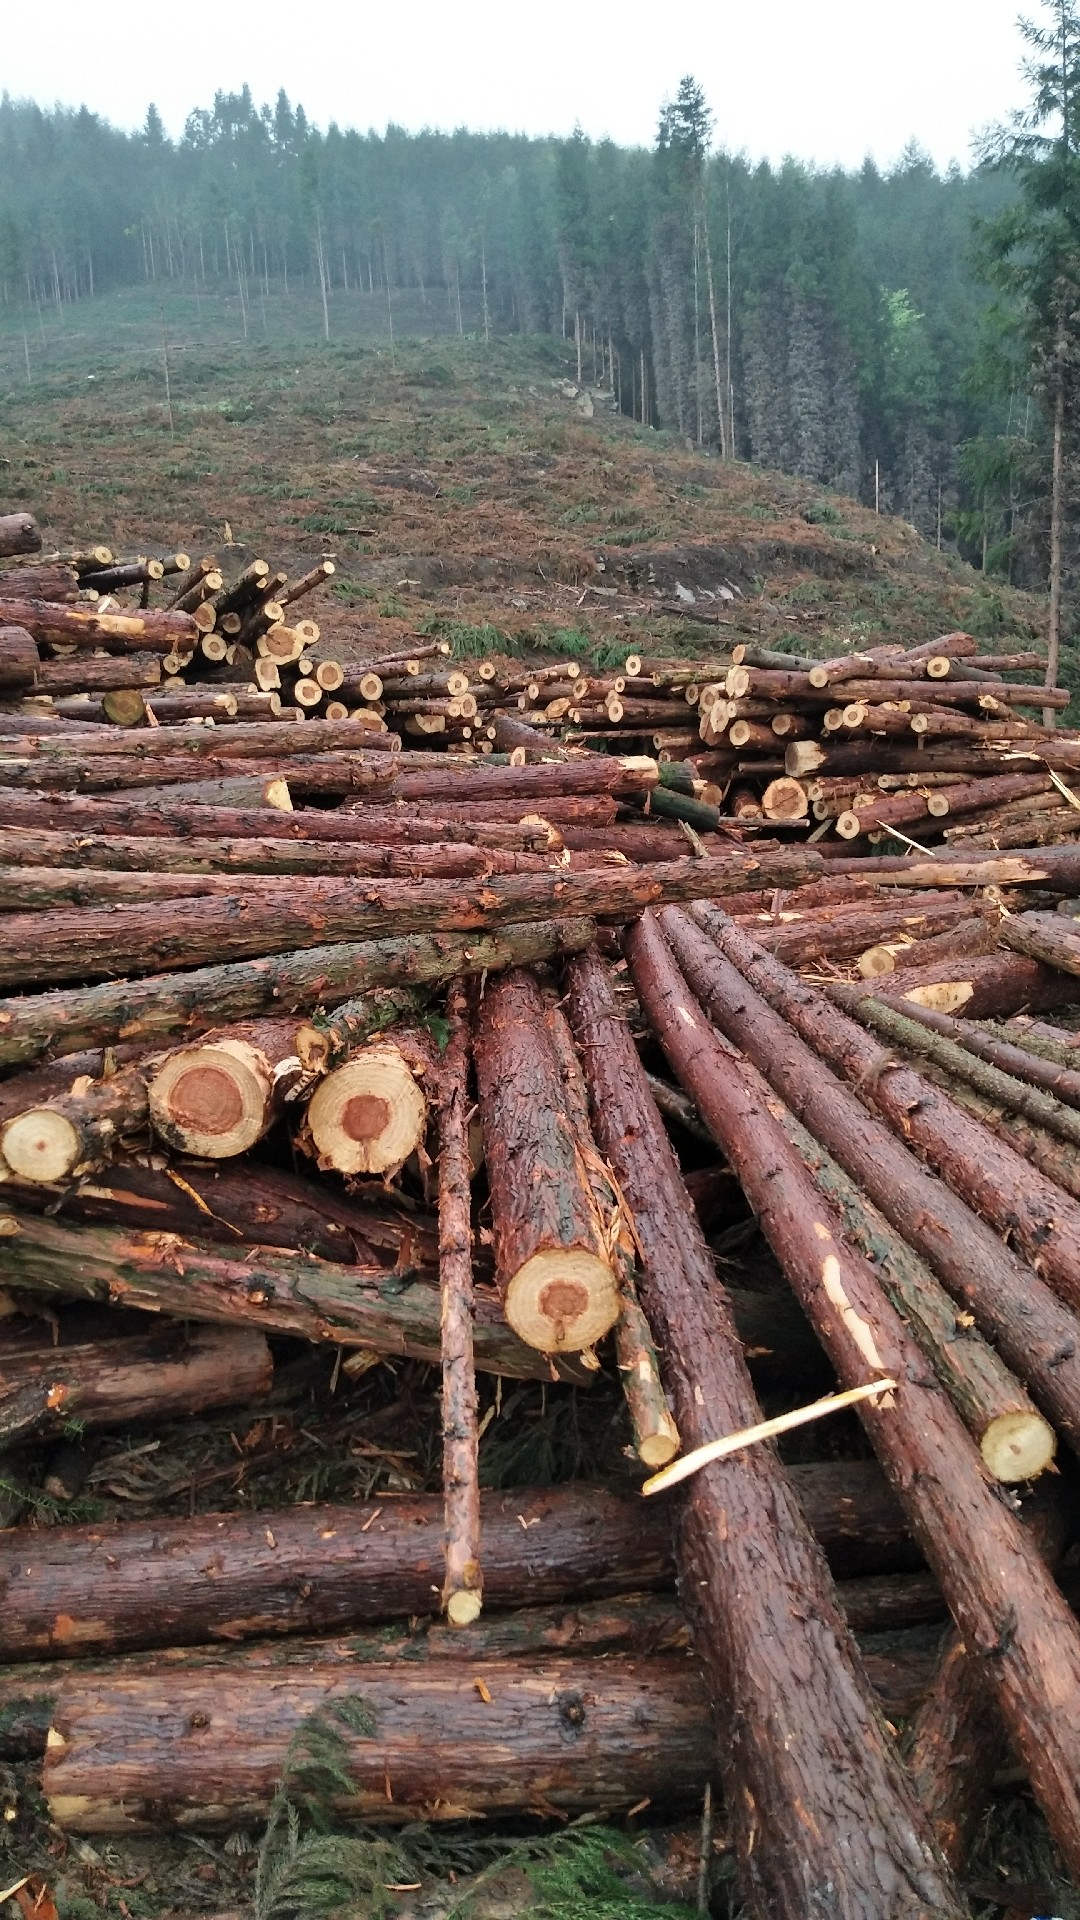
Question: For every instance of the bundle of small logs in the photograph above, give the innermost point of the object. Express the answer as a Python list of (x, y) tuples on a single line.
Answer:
[(462, 1057)]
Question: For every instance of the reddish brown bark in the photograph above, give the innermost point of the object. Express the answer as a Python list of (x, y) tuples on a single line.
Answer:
[(463, 1582), (110, 1381), (1044, 937), (816, 1792), (112, 1586), (985, 1564), (19, 659), (551, 1257), (1034, 1332), (1037, 1217), (82, 627), (40, 948), (185, 1004), (103, 826)]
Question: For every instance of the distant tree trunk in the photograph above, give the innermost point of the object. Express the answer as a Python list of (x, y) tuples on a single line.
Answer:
[(483, 290), (577, 342), (697, 333), (1057, 516), (721, 406), (321, 263)]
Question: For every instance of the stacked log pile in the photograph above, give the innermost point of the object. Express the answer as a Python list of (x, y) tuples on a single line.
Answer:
[(459, 1056)]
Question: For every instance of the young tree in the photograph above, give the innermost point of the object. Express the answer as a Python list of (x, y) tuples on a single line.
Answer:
[(1031, 252)]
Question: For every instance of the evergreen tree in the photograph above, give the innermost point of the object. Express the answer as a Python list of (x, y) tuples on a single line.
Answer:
[(1031, 252)]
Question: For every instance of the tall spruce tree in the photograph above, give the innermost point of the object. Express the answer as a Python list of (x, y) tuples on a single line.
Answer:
[(1031, 252)]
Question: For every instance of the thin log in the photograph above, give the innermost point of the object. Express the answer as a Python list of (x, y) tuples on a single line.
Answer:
[(463, 1584), (1036, 1336), (551, 1254), (186, 1004), (816, 1792), (919, 1036), (980, 1554), (114, 834), (114, 1381)]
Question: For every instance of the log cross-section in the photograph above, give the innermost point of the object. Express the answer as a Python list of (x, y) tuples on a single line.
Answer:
[(553, 1264)]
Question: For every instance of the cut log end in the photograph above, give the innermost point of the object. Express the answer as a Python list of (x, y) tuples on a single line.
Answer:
[(40, 1145), (464, 1606), (562, 1300), (367, 1116), (656, 1449), (1018, 1446), (207, 1102)]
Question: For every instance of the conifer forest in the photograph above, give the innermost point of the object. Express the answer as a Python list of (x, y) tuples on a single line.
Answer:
[(836, 326)]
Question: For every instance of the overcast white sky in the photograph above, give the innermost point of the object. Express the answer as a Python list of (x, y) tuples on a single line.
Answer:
[(829, 82)]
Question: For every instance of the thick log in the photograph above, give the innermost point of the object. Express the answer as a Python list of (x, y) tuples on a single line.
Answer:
[(25, 889), (986, 1565), (97, 673), (1054, 1158), (922, 1038), (109, 1381), (97, 835), (594, 774), (272, 1289), (551, 1258), (816, 1792), (1045, 937), (216, 1097), (186, 1004), (82, 627), (115, 1586), (656, 1437), (19, 533), (247, 740), (982, 986), (390, 824), (19, 659), (92, 943), (1055, 867), (1036, 1336), (511, 733), (463, 1582), (954, 1742), (974, 936), (369, 1114), (842, 935)]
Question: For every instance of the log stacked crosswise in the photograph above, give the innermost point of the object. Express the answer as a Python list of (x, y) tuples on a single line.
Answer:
[(461, 1018)]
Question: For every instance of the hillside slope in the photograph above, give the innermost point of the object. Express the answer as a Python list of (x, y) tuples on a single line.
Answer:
[(475, 485)]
